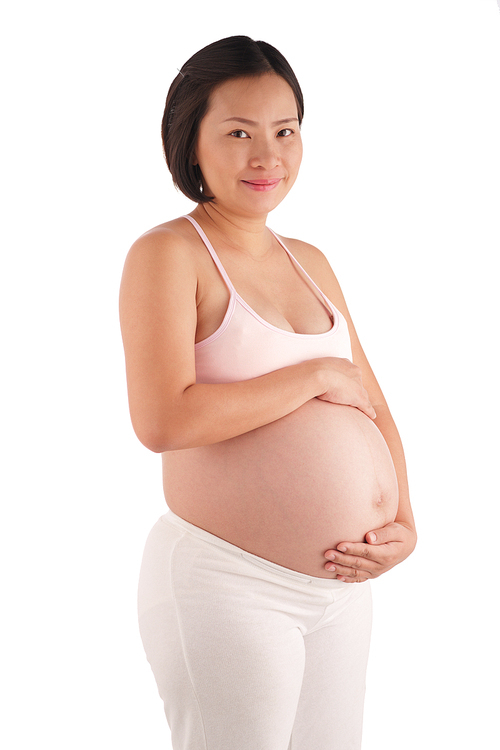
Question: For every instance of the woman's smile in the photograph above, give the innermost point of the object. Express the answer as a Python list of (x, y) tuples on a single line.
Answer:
[(262, 186)]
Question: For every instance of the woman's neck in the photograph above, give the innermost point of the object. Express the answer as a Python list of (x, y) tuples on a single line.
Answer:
[(248, 235)]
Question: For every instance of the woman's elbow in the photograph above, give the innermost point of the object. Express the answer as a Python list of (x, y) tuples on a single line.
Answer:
[(163, 428), (162, 438)]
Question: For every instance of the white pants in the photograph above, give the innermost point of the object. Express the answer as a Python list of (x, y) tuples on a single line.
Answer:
[(247, 654)]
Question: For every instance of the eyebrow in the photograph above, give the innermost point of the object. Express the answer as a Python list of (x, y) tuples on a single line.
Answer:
[(252, 122)]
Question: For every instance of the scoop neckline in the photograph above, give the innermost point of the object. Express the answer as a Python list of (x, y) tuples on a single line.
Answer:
[(335, 319), (234, 298)]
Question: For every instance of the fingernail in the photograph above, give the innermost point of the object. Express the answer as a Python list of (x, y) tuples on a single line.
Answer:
[(331, 567), (342, 549), (372, 538)]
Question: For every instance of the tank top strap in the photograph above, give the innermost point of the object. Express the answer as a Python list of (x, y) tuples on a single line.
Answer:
[(303, 270), (212, 252)]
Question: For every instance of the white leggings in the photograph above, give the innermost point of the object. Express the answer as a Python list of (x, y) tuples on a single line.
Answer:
[(247, 654)]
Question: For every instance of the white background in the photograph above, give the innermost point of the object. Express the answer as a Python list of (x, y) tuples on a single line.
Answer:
[(400, 186)]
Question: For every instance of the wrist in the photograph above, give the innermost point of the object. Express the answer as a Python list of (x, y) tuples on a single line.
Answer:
[(317, 377)]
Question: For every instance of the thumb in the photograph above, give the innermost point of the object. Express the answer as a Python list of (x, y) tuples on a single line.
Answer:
[(378, 536), (386, 534)]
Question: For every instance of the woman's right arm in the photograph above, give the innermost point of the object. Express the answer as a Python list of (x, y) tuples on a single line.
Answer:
[(169, 410)]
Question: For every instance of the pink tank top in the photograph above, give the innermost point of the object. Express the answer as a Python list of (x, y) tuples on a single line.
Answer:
[(246, 346)]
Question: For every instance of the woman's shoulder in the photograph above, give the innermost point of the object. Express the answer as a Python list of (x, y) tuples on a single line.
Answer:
[(167, 236), (165, 254), (169, 243)]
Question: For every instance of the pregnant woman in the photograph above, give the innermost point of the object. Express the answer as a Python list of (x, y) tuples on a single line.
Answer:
[(283, 471)]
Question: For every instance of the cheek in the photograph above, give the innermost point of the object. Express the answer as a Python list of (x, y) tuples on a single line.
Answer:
[(209, 155), (216, 168), (296, 159), (294, 154), (300, 151)]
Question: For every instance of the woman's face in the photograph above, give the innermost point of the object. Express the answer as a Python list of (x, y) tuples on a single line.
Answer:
[(249, 147)]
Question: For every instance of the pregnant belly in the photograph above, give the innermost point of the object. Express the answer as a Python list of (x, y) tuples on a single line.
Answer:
[(292, 489)]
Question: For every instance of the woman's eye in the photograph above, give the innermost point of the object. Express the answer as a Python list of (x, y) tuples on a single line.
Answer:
[(239, 134), (285, 132)]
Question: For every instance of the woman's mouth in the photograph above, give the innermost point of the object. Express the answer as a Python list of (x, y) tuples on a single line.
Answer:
[(262, 186)]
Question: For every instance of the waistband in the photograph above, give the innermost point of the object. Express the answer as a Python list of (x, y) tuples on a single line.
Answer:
[(206, 536)]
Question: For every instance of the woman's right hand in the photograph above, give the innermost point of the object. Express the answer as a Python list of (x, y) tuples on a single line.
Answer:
[(343, 384)]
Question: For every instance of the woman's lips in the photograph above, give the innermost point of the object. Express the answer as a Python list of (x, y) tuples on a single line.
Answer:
[(262, 186)]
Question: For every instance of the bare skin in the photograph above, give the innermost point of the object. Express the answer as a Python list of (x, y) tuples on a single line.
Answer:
[(249, 166)]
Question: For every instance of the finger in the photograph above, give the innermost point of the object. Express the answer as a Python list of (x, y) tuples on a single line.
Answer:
[(351, 566), (351, 561), (343, 573), (353, 579), (370, 412), (356, 549), (346, 573)]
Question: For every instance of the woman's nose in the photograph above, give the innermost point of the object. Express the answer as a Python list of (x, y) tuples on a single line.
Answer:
[(265, 155)]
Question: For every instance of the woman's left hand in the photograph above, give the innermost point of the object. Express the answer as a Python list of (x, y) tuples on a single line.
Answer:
[(355, 562)]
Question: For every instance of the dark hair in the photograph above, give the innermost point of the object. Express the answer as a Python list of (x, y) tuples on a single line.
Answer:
[(188, 96)]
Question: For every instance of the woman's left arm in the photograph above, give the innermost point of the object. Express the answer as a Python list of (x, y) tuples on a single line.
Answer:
[(385, 547), (388, 546)]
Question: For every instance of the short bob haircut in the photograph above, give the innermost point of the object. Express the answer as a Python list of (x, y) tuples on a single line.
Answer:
[(188, 97)]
